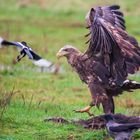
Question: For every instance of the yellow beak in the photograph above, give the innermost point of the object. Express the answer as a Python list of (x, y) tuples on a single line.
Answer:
[(61, 53)]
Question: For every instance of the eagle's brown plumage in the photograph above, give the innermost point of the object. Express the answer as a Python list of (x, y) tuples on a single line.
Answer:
[(111, 55), (109, 40)]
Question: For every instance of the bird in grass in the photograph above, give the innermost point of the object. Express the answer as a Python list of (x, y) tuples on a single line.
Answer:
[(112, 55), (120, 131), (24, 50)]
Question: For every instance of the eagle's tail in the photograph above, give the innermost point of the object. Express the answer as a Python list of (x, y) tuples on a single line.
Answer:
[(130, 85)]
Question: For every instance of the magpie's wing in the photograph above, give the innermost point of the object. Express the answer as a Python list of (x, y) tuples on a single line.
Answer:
[(36, 59), (4, 42), (124, 127), (20, 46), (26, 50), (35, 55), (28, 53), (39, 61)]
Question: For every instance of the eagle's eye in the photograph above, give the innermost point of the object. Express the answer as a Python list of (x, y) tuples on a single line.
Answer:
[(66, 50)]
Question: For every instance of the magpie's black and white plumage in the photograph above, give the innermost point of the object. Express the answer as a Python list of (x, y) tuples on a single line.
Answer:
[(24, 50), (120, 131)]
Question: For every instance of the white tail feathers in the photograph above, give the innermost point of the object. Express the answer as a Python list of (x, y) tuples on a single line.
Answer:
[(42, 63), (131, 85), (1, 40), (129, 81), (126, 81)]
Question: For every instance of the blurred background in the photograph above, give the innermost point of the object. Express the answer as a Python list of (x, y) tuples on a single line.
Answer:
[(27, 96)]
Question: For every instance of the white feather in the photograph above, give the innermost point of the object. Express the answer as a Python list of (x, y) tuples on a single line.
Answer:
[(21, 46), (134, 82), (1, 39), (42, 63), (126, 81)]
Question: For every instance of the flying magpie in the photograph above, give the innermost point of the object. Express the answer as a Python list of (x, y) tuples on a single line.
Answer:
[(120, 131), (24, 50)]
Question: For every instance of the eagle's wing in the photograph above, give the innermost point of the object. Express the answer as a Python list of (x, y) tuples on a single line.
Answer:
[(109, 40), (111, 14), (130, 49)]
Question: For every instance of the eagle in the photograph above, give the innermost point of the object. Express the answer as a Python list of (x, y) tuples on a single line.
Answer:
[(111, 55)]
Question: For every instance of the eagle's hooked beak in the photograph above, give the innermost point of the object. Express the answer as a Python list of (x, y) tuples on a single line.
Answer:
[(61, 53)]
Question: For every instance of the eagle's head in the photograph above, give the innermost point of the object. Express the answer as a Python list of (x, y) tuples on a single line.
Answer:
[(67, 51)]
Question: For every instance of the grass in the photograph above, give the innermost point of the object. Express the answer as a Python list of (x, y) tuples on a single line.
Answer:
[(43, 95)]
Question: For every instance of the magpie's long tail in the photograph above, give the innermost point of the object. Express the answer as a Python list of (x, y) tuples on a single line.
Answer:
[(130, 85)]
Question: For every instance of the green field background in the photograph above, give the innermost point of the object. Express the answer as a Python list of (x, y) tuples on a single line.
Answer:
[(48, 25)]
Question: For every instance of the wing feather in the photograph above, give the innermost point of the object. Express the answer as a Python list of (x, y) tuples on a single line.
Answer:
[(129, 47), (110, 41), (118, 13), (114, 7)]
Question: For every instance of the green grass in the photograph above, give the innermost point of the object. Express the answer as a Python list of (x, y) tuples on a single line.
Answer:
[(46, 31)]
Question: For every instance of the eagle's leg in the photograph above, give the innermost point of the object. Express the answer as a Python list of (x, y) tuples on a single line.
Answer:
[(108, 105), (86, 109)]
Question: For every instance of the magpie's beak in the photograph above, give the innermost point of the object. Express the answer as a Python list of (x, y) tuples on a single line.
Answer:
[(61, 53)]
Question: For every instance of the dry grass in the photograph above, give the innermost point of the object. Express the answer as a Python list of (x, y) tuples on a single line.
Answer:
[(5, 99)]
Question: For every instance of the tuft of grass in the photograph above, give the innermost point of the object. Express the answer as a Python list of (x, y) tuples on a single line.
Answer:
[(5, 100)]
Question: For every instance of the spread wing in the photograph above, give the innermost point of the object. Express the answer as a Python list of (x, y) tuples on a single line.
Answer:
[(130, 50), (109, 40), (26, 50), (111, 14), (20, 46)]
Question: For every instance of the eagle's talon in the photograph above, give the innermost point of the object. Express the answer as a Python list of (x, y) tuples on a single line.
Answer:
[(86, 109)]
